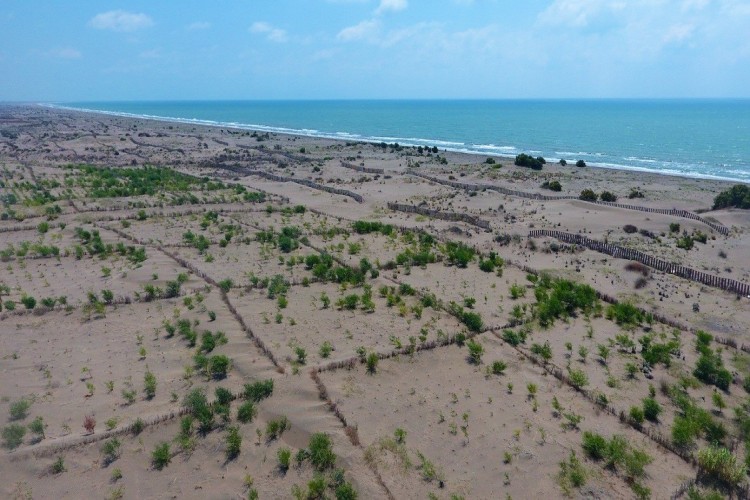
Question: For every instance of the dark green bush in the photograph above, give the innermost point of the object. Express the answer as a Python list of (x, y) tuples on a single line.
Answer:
[(588, 195), (737, 196), (607, 196), (651, 409), (524, 160)]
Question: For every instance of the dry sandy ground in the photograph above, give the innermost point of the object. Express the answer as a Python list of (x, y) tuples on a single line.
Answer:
[(467, 432)]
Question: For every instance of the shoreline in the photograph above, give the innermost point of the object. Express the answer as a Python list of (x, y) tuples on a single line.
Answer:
[(408, 142)]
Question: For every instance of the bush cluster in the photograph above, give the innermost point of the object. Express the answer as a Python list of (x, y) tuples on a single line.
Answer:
[(737, 197), (524, 160)]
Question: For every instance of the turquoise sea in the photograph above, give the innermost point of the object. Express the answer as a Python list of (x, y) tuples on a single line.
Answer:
[(695, 138)]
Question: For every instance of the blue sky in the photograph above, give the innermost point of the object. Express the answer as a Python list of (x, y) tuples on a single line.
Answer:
[(77, 50)]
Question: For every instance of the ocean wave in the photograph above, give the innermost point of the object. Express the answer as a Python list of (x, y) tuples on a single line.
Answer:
[(697, 170)]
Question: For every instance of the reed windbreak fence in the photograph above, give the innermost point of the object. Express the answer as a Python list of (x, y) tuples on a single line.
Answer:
[(618, 252), (723, 230)]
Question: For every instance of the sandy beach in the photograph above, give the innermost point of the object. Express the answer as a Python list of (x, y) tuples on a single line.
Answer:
[(248, 250)]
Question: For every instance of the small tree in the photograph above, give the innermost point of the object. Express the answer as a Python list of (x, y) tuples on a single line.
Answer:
[(718, 401), (372, 362), (578, 378), (603, 352), (475, 351), (149, 384), (234, 442)]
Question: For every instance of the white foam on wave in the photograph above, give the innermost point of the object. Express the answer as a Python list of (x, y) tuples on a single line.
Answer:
[(666, 168)]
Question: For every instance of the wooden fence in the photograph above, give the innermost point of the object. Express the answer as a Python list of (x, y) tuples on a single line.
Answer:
[(359, 168), (437, 214), (305, 182), (542, 197), (618, 252)]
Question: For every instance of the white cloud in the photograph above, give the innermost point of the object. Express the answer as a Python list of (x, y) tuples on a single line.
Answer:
[(365, 29), (574, 13), (391, 5), (272, 33), (120, 20), (150, 54), (198, 26), (678, 33), (65, 53)]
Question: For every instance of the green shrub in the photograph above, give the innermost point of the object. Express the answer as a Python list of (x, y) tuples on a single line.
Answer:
[(737, 196), (284, 456), (345, 491), (544, 351), (552, 185), (19, 409), (326, 349), (13, 435), (514, 338), (721, 464), (524, 160), (246, 412), (651, 409), (607, 196), (301, 354), (637, 414), (498, 367), (472, 320), (625, 314), (37, 427), (258, 391), (58, 466), (275, 428), (138, 426), (28, 301), (588, 195), (223, 396), (580, 164), (321, 452), (475, 351), (225, 285), (218, 366), (233, 441), (572, 474), (710, 369), (149, 384), (372, 362), (161, 456), (517, 291), (578, 378), (594, 445), (111, 450)]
